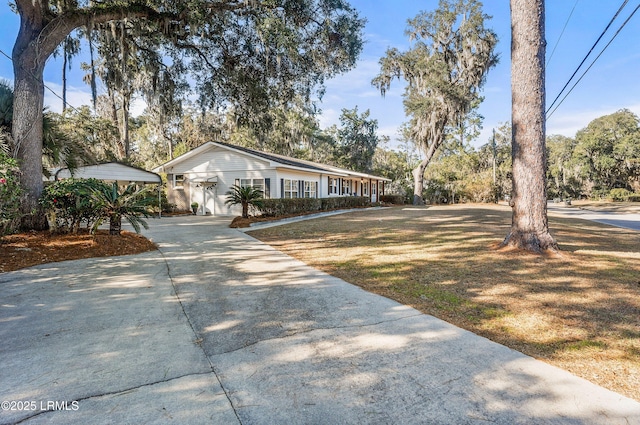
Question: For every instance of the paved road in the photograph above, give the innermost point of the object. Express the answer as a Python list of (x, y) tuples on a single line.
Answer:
[(218, 328), (625, 220)]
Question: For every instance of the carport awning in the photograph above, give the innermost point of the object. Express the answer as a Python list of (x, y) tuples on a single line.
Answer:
[(111, 171)]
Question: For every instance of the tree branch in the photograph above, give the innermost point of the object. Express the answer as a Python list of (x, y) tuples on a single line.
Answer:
[(55, 31)]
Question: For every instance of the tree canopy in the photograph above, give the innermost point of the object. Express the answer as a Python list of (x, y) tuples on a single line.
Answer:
[(445, 70), (250, 54)]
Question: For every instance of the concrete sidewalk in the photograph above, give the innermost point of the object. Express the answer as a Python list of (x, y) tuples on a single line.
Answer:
[(220, 328)]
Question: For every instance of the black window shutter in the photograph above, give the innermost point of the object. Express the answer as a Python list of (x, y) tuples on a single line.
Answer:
[(282, 188), (267, 188), (237, 183), (300, 189)]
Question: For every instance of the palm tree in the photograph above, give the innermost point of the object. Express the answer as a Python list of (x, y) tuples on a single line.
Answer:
[(244, 196), (132, 204), (57, 148)]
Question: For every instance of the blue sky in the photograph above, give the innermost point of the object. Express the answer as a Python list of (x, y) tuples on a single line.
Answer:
[(610, 85)]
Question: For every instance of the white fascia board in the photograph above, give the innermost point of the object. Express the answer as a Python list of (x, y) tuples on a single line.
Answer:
[(360, 175), (306, 170), (186, 155)]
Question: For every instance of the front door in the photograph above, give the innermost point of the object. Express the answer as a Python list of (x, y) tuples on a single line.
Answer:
[(205, 196), (374, 191)]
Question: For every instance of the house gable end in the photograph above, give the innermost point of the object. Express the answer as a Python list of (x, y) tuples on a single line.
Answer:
[(217, 160)]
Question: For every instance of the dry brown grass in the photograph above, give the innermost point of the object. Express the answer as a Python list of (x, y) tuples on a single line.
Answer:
[(579, 310), (620, 207)]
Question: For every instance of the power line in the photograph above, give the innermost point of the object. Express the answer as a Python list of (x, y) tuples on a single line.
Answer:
[(45, 86), (624, 3), (561, 33), (594, 61)]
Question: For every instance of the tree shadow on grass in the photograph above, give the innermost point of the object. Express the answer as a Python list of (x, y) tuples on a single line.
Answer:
[(580, 305)]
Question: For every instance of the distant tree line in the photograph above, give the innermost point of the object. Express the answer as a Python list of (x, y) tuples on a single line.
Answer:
[(602, 158), (602, 161)]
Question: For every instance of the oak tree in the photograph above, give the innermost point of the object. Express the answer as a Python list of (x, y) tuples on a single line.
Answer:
[(245, 53), (444, 71)]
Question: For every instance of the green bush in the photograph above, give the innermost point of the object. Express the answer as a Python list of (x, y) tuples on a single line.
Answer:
[(69, 203), (344, 202), (10, 195), (292, 206), (619, 195), (634, 197), (279, 207), (392, 199), (132, 203), (165, 205), (599, 194)]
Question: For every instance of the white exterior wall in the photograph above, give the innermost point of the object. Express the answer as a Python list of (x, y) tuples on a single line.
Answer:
[(295, 175), (355, 187), (227, 166)]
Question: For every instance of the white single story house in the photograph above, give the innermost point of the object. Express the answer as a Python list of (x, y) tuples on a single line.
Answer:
[(206, 173)]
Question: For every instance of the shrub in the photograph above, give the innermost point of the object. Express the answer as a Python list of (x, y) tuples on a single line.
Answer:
[(392, 199), (634, 197), (292, 206), (246, 197), (279, 207), (69, 203), (344, 202), (599, 194), (10, 194), (619, 194), (132, 203), (165, 205)]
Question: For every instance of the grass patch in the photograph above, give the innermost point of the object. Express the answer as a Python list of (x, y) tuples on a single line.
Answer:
[(586, 344), (579, 310)]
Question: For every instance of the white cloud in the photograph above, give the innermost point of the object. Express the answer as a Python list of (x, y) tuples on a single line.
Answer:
[(76, 96), (394, 137), (329, 117), (79, 96), (569, 123), (137, 107), (357, 79), (390, 130)]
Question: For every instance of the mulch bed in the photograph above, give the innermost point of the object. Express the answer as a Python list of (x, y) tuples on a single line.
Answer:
[(29, 249)]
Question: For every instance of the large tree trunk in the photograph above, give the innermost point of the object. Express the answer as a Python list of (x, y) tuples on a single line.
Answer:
[(126, 99), (418, 172), (529, 225), (418, 182), (28, 102), (39, 35)]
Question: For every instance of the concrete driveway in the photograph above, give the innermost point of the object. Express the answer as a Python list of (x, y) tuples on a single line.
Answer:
[(219, 328)]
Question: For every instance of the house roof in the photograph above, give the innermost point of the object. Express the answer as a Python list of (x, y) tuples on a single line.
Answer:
[(276, 160), (111, 171), (284, 160)]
